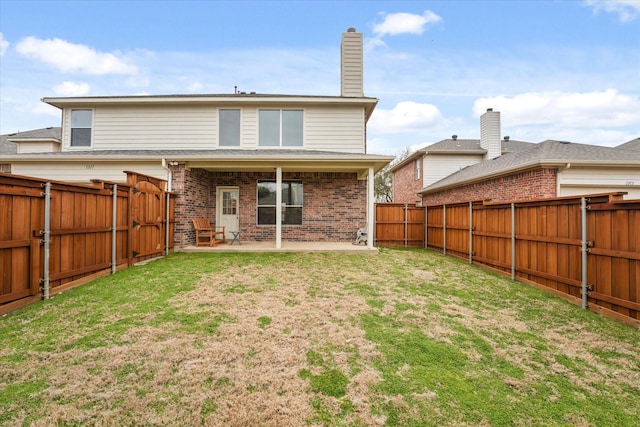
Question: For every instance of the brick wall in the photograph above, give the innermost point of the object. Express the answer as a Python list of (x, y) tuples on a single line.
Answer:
[(5, 167), (405, 185), (334, 204), (535, 184)]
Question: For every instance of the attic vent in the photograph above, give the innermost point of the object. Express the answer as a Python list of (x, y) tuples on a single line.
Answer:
[(489, 109), (506, 138), (351, 30), (454, 137), (564, 142)]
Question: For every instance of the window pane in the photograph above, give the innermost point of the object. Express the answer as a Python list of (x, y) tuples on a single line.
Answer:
[(292, 128), (269, 133), (81, 118), (266, 215), (267, 193), (229, 203), (81, 137), (229, 127), (292, 216)]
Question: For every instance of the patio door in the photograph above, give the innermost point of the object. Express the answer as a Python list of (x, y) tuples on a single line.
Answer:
[(227, 209)]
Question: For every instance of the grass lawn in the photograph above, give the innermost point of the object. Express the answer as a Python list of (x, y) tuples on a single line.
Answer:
[(402, 338)]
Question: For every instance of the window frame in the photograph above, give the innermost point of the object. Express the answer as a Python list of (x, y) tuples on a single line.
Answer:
[(72, 127), (281, 131), (417, 168), (286, 206), (239, 144)]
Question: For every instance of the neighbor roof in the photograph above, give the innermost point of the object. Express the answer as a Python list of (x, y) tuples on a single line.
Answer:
[(462, 146), (8, 141), (634, 145), (547, 153)]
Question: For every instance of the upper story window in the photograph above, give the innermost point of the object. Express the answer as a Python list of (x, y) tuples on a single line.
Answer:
[(280, 128), (416, 167), (229, 128), (81, 123)]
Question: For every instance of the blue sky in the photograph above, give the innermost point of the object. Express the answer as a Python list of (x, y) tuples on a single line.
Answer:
[(566, 70)]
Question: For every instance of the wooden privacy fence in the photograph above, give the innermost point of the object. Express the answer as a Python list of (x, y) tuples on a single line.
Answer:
[(56, 235), (584, 249)]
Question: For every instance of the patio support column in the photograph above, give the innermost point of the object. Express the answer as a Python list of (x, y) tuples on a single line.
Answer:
[(279, 207), (370, 209)]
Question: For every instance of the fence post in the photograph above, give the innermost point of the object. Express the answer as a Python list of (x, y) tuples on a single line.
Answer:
[(583, 216), (470, 232), (444, 229), (47, 237), (426, 228), (513, 241), (406, 225), (166, 224), (114, 226)]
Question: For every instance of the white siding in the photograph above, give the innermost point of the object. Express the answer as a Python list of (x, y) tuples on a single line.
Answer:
[(330, 128), (338, 129), (577, 181), (38, 147), (86, 171), (438, 166), (152, 127), (351, 66)]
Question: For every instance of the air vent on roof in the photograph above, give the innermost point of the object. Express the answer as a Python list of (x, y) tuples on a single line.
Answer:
[(454, 137), (564, 142), (506, 138), (489, 109)]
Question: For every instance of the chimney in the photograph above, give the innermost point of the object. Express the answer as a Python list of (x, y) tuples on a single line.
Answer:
[(490, 133), (351, 68)]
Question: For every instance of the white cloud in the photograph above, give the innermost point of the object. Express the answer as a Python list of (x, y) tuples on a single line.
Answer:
[(586, 110), (404, 23), (69, 57), (627, 10), (4, 45), (72, 89), (407, 116)]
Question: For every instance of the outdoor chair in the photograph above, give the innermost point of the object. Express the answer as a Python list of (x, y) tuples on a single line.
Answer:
[(207, 234)]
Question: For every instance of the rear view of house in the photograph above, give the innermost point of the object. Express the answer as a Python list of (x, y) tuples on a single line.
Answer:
[(274, 167)]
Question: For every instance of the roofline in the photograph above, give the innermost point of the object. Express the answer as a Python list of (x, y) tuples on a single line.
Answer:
[(532, 165), (368, 103), (20, 140)]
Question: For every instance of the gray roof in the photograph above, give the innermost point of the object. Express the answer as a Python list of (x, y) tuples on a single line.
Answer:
[(7, 147), (462, 146), (549, 152), (634, 145)]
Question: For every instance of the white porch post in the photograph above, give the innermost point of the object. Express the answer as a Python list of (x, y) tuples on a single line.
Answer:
[(370, 208), (278, 207)]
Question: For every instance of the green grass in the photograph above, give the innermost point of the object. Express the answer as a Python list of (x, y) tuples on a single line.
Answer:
[(402, 338)]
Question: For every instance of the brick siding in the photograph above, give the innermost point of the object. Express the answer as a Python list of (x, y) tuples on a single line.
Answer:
[(535, 184), (5, 167), (334, 204), (405, 185)]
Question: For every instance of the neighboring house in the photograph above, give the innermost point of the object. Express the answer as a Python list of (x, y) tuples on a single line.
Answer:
[(548, 169), (275, 167), (437, 161)]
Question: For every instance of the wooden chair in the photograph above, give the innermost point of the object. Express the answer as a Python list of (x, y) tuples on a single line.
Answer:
[(206, 234)]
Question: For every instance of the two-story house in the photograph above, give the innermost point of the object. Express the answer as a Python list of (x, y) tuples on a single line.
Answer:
[(429, 165), (275, 167)]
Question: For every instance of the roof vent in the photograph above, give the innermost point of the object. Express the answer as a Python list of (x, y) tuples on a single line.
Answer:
[(454, 137), (351, 30), (564, 142), (506, 138), (489, 109)]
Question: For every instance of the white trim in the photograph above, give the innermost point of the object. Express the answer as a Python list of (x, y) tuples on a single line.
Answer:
[(370, 207)]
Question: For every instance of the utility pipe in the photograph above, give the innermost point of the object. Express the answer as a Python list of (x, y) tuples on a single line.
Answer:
[(114, 228), (47, 236), (583, 215)]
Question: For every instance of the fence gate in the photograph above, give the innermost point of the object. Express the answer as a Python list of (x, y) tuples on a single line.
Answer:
[(148, 222)]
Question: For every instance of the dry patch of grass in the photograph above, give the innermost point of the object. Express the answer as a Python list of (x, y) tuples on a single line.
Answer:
[(401, 338)]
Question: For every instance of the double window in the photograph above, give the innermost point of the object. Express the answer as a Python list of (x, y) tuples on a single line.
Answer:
[(81, 122), (291, 202), (229, 127), (280, 128)]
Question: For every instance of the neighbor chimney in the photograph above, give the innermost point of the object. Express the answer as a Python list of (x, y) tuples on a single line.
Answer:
[(490, 133), (351, 68)]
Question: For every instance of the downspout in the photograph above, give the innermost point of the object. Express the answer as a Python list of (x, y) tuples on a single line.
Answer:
[(47, 237), (169, 185)]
